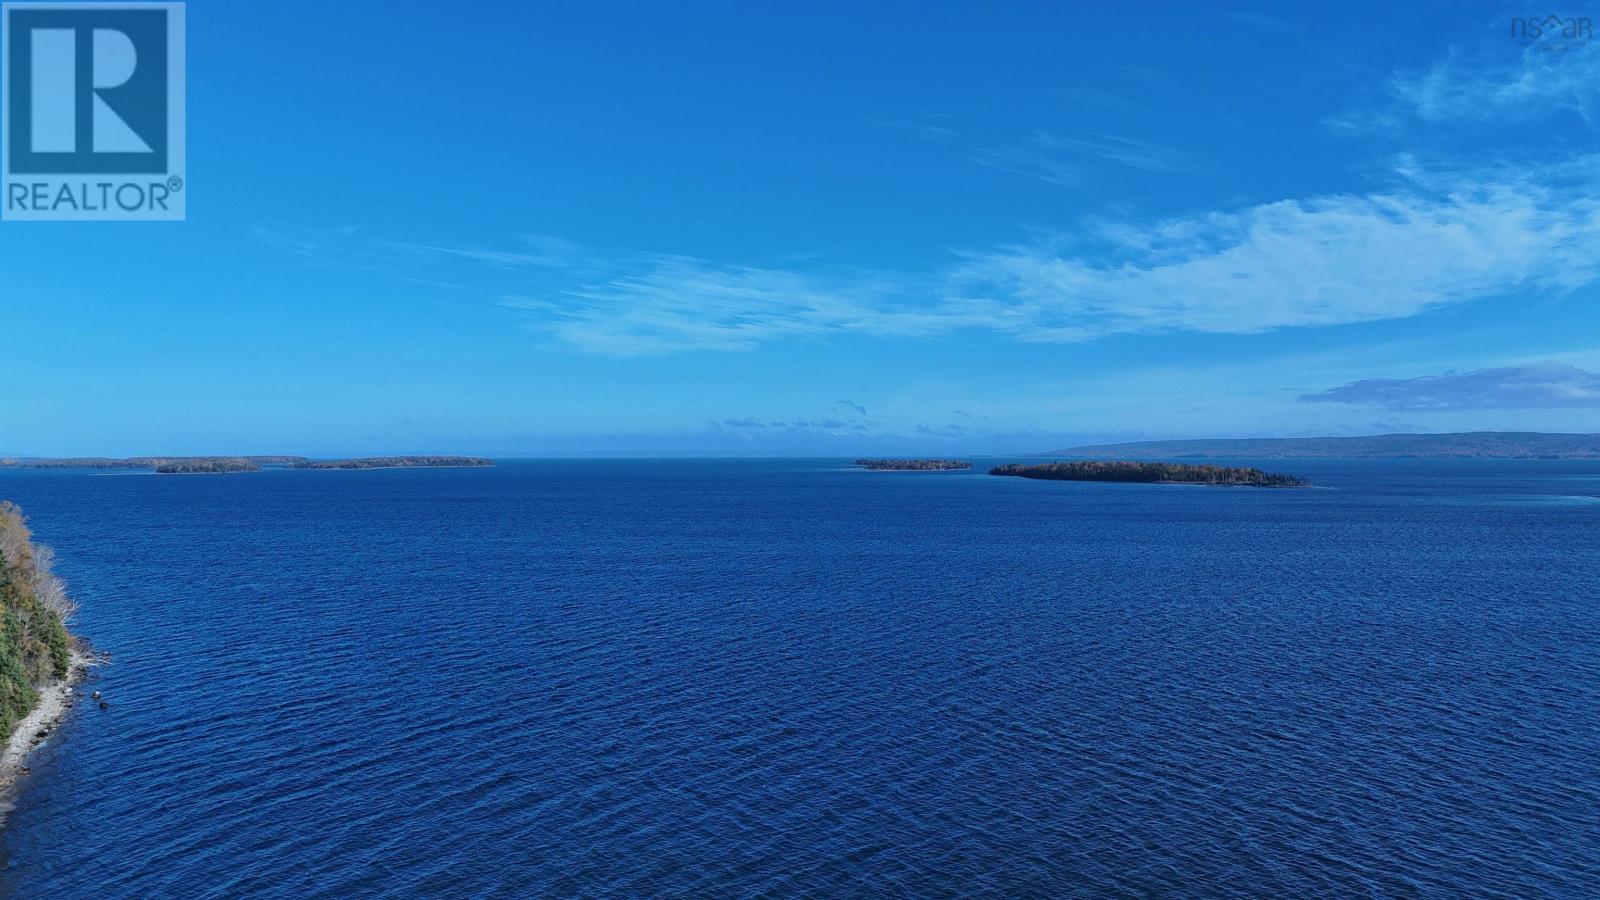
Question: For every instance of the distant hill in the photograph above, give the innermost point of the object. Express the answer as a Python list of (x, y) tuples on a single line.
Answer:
[(1460, 445)]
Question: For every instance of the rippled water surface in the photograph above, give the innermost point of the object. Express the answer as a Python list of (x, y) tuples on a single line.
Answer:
[(784, 677)]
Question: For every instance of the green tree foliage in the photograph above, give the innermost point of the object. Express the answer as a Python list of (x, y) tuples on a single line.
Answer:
[(34, 646)]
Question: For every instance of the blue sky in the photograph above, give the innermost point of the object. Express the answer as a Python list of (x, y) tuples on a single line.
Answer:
[(831, 228)]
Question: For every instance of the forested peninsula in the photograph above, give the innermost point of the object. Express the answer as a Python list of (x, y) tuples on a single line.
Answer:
[(1150, 472), (38, 658)]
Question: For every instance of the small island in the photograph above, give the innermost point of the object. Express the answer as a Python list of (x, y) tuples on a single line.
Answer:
[(913, 465), (206, 465), (1151, 473), (395, 462)]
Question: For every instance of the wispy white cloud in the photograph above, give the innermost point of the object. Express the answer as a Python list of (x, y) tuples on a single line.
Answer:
[(1031, 162), (1321, 261), (1136, 154), (535, 250), (677, 303), (1548, 385), (1549, 77), (1429, 236), (349, 246), (299, 244), (1065, 160), (1262, 22), (1093, 96), (927, 130), (1431, 239)]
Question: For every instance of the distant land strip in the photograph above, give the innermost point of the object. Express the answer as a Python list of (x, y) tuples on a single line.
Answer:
[(1150, 473), (215, 466), (140, 462), (221, 465), (394, 462), (913, 465), (1457, 445)]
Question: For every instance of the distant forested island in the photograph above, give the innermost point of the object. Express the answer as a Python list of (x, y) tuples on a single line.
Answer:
[(158, 463), (913, 465), (1149, 472), (1463, 445), (207, 466), (183, 465), (393, 462)]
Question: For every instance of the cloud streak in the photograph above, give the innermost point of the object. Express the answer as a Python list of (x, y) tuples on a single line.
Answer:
[(1433, 239), (1425, 239), (676, 303), (1547, 78), (1067, 160), (925, 130), (1321, 261), (1541, 386)]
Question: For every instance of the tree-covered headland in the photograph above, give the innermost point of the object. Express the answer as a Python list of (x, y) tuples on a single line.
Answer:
[(35, 648)]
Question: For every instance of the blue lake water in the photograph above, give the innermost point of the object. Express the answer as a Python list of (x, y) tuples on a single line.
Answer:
[(718, 678)]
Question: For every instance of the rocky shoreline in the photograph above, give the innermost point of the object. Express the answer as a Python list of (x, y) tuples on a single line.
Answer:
[(55, 701)]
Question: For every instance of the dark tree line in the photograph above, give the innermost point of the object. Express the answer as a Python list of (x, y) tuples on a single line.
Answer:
[(913, 465), (211, 465), (1175, 473), (393, 462)]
